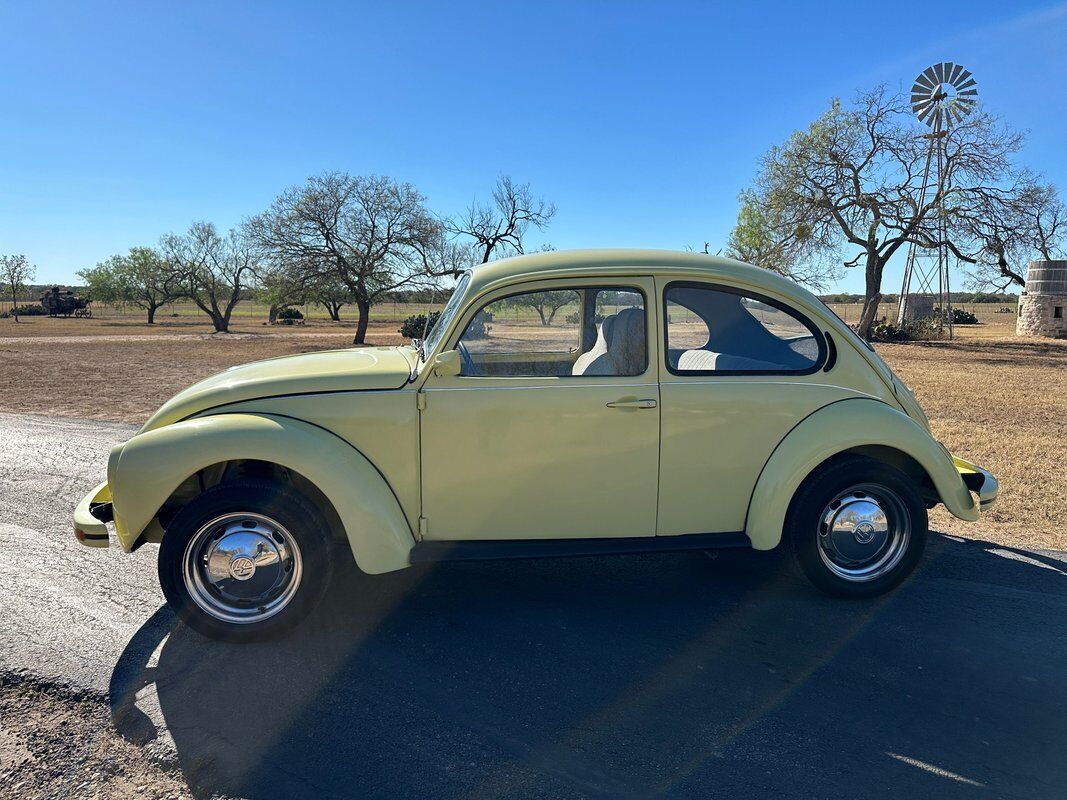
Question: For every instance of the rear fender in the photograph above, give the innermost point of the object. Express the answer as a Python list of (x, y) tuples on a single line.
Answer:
[(833, 429), (147, 470)]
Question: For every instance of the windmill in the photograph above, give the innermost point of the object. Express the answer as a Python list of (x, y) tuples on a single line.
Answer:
[(941, 96)]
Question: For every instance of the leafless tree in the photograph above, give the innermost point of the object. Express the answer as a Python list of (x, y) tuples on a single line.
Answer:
[(499, 227), (1011, 228), (370, 233), (853, 179), (215, 268), (16, 272)]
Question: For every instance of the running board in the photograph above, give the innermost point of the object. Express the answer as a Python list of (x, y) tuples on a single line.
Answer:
[(494, 549)]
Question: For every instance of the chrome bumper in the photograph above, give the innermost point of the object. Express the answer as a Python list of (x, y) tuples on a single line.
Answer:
[(91, 517), (979, 481)]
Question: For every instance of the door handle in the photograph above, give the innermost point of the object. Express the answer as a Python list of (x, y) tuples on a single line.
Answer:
[(632, 404)]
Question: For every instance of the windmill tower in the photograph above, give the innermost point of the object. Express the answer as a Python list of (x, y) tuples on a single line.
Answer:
[(941, 96)]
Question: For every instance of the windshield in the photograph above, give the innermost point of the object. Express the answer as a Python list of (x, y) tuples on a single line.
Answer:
[(448, 313)]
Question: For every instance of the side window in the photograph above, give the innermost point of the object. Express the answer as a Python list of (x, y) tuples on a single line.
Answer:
[(716, 330), (561, 333)]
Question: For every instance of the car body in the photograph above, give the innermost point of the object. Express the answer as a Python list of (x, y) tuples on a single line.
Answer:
[(670, 401)]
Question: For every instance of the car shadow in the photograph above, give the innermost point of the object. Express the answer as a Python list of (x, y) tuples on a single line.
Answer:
[(675, 675)]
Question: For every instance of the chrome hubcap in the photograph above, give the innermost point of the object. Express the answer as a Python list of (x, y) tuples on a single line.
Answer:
[(242, 568), (863, 532)]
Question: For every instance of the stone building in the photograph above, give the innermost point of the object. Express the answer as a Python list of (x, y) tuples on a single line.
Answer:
[(1043, 303)]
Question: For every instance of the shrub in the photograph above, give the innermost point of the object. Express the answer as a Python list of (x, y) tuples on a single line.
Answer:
[(290, 316), (909, 331), (31, 311), (962, 317), (415, 326)]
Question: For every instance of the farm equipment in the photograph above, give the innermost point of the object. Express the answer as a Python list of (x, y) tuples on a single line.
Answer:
[(64, 303)]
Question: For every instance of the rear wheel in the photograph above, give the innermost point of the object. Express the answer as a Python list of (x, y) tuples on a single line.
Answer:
[(857, 527), (245, 560)]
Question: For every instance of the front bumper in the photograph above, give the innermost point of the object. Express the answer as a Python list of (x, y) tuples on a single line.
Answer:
[(979, 481), (91, 517)]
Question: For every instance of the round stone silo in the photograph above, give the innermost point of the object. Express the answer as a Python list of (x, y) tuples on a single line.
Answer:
[(1043, 303)]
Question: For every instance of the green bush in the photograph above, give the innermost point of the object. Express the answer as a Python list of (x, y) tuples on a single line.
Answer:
[(290, 316), (963, 317), (416, 327), (31, 311), (910, 331)]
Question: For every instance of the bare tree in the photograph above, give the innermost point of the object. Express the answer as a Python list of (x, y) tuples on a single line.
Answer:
[(143, 278), (853, 179), (16, 272), (370, 233), (215, 269), (1011, 228), (498, 228)]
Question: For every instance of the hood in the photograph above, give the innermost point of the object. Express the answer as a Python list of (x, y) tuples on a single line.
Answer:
[(349, 370)]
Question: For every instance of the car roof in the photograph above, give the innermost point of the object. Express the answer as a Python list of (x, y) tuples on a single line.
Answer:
[(620, 261)]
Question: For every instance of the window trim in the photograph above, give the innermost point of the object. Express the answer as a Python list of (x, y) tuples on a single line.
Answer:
[(816, 332), (576, 287)]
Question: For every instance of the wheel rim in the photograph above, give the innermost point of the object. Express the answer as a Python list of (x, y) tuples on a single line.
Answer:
[(242, 568), (864, 532)]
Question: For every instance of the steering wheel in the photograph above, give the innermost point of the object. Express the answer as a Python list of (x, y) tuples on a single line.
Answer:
[(466, 362)]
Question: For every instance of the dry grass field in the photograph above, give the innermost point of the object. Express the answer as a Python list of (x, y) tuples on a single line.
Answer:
[(996, 399)]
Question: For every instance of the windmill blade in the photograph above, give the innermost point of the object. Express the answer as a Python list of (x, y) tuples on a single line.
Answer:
[(967, 93), (924, 84), (957, 70), (966, 84), (930, 76), (939, 72), (961, 77), (922, 105), (920, 90)]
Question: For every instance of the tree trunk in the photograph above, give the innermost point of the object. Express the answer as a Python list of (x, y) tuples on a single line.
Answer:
[(334, 310), (14, 304), (541, 313), (221, 322), (872, 296), (272, 314), (152, 314), (363, 307)]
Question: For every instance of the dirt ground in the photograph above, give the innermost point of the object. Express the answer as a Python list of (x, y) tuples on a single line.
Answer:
[(38, 726), (998, 400)]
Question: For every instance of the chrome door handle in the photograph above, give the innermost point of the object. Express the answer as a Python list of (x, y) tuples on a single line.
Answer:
[(632, 404)]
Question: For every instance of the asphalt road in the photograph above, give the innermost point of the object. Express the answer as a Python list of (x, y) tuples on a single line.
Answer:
[(674, 675)]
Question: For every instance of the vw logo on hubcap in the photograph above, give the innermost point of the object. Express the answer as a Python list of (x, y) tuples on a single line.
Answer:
[(864, 532), (242, 568)]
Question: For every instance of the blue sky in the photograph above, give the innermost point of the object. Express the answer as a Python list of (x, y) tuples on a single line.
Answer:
[(641, 121)]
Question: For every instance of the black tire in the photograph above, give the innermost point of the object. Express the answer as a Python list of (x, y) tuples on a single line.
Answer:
[(293, 525), (812, 520)]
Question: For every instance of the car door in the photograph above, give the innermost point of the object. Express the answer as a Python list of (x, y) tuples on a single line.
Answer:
[(552, 428), (738, 370)]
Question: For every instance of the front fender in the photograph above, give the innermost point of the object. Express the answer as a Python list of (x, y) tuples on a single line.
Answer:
[(146, 470), (834, 428)]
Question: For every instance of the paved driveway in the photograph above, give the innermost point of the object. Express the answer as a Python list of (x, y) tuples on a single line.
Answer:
[(675, 675)]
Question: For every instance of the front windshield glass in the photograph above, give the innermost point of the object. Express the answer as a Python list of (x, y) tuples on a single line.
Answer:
[(448, 313)]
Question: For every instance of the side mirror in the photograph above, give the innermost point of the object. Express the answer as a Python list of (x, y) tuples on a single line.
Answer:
[(447, 363)]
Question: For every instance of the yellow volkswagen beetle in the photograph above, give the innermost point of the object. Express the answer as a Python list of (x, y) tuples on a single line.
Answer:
[(585, 402)]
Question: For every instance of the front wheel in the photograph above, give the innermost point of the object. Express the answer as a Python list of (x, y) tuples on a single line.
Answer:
[(857, 527), (245, 560)]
